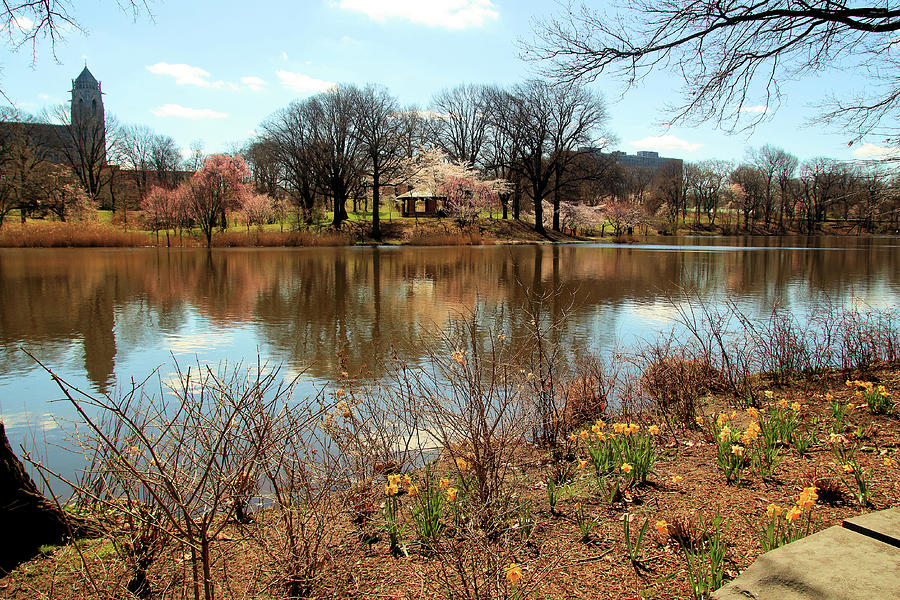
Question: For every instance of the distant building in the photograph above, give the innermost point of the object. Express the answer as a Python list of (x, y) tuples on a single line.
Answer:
[(646, 159), (643, 159)]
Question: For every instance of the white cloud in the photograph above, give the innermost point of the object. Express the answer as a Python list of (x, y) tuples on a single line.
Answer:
[(449, 14), (182, 112), (253, 83), (284, 55), (183, 74), (44, 96), (759, 108), (191, 75), (303, 84), (665, 142), (23, 23), (872, 151)]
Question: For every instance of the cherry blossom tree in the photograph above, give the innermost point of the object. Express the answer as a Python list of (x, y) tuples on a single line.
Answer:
[(160, 209), (257, 209), (467, 197), (624, 216), (214, 190)]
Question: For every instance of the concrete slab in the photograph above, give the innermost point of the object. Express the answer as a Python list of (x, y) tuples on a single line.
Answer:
[(834, 564), (883, 526)]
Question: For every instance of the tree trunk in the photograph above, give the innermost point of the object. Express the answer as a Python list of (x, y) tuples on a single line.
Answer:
[(27, 519), (376, 204)]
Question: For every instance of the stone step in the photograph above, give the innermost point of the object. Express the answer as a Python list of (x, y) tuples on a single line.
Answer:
[(835, 564), (883, 526)]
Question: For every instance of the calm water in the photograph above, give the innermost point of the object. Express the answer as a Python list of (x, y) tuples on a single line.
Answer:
[(100, 317)]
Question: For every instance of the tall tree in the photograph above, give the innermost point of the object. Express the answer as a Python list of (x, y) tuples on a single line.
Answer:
[(85, 145), (290, 132), (553, 123), (137, 146), (383, 143), (165, 159), (459, 122), (336, 151)]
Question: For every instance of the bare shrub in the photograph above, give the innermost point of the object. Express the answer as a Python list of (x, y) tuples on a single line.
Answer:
[(586, 393), (472, 406), (675, 379), (186, 456), (303, 469), (867, 337)]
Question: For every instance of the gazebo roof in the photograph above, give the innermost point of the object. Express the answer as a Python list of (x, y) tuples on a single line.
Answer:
[(420, 193)]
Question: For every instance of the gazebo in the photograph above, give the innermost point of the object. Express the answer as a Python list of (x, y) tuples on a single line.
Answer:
[(419, 203)]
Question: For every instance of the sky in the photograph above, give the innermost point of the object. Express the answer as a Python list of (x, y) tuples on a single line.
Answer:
[(214, 70)]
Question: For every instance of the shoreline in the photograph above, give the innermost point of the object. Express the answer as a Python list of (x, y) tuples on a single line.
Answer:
[(497, 232)]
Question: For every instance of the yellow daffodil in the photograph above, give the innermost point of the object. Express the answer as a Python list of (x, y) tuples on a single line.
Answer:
[(451, 494), (725, 434), (662, 528), (627, 468), (653, 429), (677, 479), (462, 464), (737, 450), (513, 574), (769, 394), (444, 482), (794, 514), (889, 462), (796, 407), (413, 490), (774, 511), (458, 357), (753, 413), (582, 464)]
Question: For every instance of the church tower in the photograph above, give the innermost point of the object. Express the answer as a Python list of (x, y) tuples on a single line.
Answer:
[(87, 102)]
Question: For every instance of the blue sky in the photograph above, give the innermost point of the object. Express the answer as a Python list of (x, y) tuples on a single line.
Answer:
[(212, 70)]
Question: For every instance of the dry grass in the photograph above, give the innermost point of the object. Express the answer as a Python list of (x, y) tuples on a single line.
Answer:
[(55, 234), (233, 239), (432, 237)]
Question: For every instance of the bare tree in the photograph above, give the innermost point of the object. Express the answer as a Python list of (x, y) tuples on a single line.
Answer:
[(552, 123), (137, 144), (379, 128), (289, 131), (84, 145), (732, 54), (22, 156), (165, 159), (460, 122), (336, 156)]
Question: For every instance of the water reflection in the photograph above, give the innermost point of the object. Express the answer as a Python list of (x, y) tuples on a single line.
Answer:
[(107, 315)]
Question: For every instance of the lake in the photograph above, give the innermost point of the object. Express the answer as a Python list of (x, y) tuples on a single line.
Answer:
[(100, 317)]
